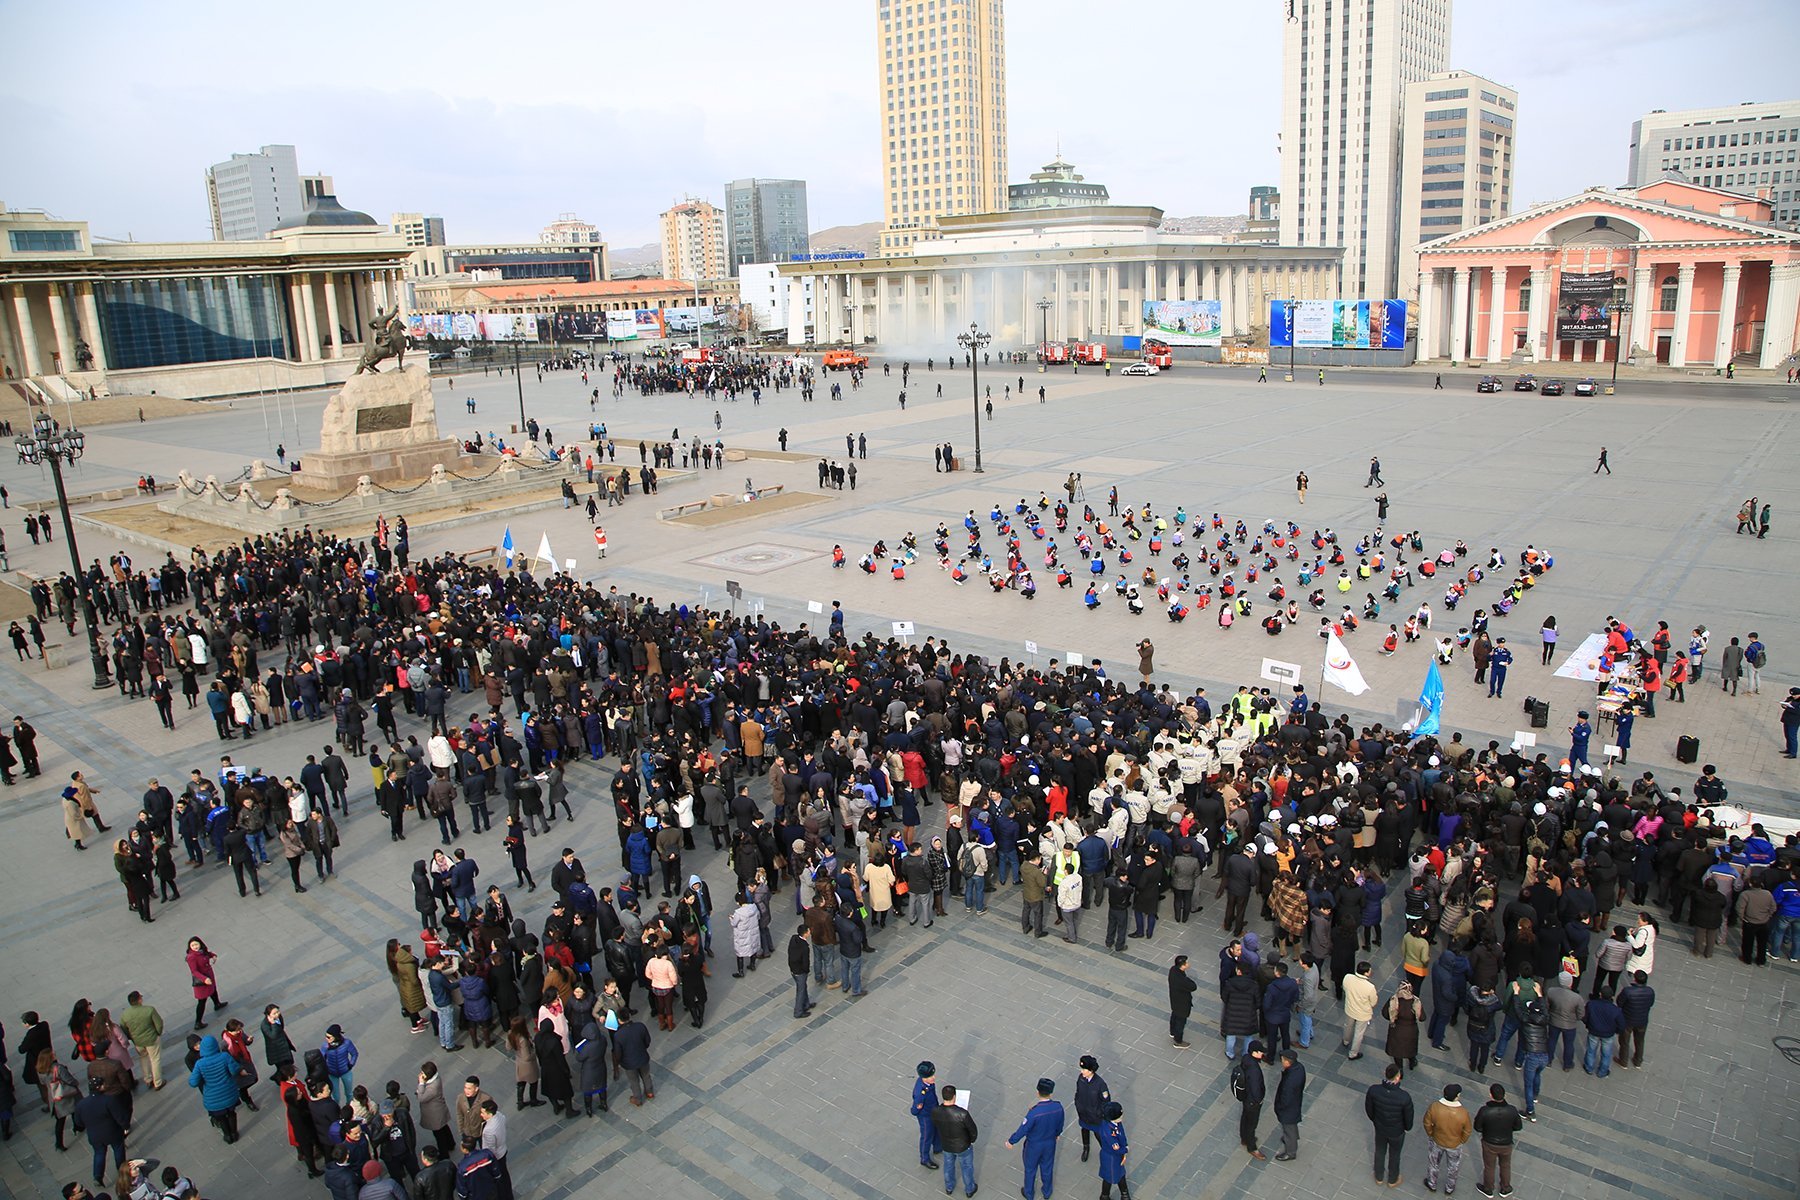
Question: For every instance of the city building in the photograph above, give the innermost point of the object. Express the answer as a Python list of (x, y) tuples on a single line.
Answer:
[(418, 229), (1095, 267), (570, 230), (1740, 147), (192, 318), (1264, 224), (1456, 161), (1708, 276), (765, 294), (765, 221), (1056, 186), (579, 310), (250, 194), (943, 113), (693, 241), (1345, 65), (504, 261)]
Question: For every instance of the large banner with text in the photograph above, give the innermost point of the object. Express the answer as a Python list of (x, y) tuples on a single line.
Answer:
[(1338, 324)]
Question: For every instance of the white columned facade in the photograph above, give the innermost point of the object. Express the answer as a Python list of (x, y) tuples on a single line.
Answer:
[(28, 344), (1496, 347), (1642, 283), (1427, 348), (332, 328), (1110, 321), (938, 281), (60, 325), (881, 299), (9, 342), (1227, 300), (1684, 314), (1190, 281), (1534, 313), (1096, 310), (1245, 318), (310, 312), (1459, 315), (1784, 303), (909, 307), (90, 319), (1060, 293), (1726, 342)]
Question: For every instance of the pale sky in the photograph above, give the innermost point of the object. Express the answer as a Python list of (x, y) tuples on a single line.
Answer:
[(500, 116)]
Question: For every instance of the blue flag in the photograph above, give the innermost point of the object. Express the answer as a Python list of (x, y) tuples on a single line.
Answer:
[(506, 545), (1431, 702)]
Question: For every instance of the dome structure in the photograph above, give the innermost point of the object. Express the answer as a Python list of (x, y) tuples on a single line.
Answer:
[(324, 212)]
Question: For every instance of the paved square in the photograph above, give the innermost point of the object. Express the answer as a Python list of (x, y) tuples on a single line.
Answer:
[(758, 1105)]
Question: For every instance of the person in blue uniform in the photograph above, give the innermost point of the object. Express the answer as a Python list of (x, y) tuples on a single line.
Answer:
[(1042, 1125), (1091, 1099), (1113, 1151), (923, 1101), (1500, 659)]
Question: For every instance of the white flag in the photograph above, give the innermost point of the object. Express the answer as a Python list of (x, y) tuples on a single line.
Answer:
[(1340, 668), (544, 553)]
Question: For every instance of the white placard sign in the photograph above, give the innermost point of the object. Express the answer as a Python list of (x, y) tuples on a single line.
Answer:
[(1031, 649), (1073, 658), (1614, 752), (814, 606), (569, 565), (1276, 671), (903, 628), (1524, 737)]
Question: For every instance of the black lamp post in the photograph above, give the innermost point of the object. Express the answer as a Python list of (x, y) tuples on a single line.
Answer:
[(1043, 307), (1621, 307), (1289, 306), (520, 380), (47, 443), (975, 341)]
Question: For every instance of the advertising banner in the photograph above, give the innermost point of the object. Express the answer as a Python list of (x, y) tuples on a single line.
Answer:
[(1338, 324), (575, 327), (688, 320), (621, 327), (650, 323), (1583, 308), (1184, 322)]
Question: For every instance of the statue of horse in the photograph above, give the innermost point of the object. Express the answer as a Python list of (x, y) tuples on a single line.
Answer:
[(387, 340)]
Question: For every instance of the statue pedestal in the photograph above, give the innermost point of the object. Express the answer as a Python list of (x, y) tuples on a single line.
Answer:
[(383, 425)]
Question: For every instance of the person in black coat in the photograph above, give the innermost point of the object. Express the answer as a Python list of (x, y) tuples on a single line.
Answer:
[(1181, 1000), (436, 1179), (1390, 1109), (1151, 878), (1248, 1085), (1290, 1091), (553, 1070), (1091, 1098), (103, 1117)]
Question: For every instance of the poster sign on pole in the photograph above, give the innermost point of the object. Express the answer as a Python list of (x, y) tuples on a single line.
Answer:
[(903, 628), (1031, 649), (1073, 658), (815, 606), (1523, 738), (1276, 671)]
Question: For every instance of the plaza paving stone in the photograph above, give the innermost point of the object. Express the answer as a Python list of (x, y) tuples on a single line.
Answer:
[(758, 1105)]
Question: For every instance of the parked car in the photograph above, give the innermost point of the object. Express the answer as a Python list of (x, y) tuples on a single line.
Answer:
[(1488, 383), (1553, 387), (1525, 383), (1587, 387), (1140, 368)]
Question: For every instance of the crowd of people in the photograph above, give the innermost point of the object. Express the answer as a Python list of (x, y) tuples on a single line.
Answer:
[(805, 757)]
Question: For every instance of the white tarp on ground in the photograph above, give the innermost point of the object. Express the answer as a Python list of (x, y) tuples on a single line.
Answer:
[(1585, 662)]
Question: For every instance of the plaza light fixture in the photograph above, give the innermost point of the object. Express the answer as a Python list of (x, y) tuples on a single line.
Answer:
[(1621, 308), (49, 443), (975, 341), (1043, 307)]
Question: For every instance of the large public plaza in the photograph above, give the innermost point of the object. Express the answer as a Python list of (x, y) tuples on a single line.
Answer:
[(759, 1105)]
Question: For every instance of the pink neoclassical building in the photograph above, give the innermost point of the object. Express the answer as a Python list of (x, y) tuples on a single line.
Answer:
[(1709, 279)]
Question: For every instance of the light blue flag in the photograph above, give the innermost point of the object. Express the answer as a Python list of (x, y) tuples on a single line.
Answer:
[(506, 545), (1431, 702)]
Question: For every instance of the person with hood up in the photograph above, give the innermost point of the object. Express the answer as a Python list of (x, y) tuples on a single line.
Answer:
[(591, 1056), (215, 1074)]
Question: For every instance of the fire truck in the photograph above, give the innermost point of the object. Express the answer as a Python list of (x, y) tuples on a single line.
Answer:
[(841, 360), (1158, 354), (700, 357), (1053, 353), (1092, 353)]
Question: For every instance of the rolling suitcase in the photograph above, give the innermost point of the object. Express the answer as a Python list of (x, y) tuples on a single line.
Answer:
[(1687, 749)]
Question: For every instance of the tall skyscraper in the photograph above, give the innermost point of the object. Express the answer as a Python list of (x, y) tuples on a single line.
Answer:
[(943, 113), (418, 229), (1456, 162), (765, 220), (693, 241), (1344, 67), (252, 194), (1736, 147)]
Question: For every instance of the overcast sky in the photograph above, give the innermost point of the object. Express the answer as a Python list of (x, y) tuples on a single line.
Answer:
[(500, 116)]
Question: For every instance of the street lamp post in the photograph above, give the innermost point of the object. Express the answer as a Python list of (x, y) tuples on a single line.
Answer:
[(975, 341), (520, 380), (1289, 306), (47, 443), (1621, 306), (1043, 307)]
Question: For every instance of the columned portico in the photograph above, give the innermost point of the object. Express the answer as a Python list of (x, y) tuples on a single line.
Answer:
[(1725, 343), (1459, 315), (1496, 342), (1684, 313), (1427, 344)]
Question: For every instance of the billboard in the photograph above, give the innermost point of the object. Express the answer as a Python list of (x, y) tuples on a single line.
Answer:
[(621, 327), (1584, 307), (1338, 324), (1184, 322), (688, 320), (472, 327)]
